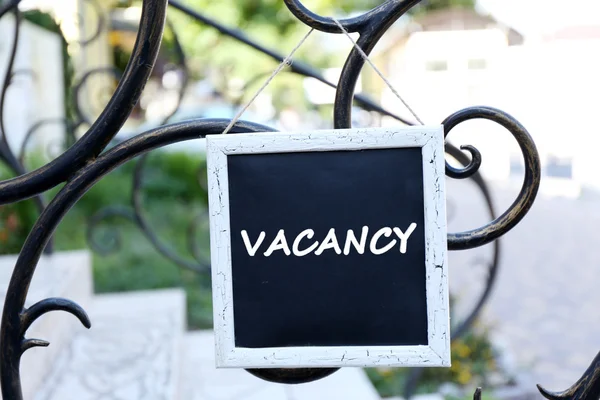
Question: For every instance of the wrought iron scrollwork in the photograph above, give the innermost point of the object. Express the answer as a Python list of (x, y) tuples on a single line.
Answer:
[(110, 120), (520, 207), (82, 117), (67, 167), (297, 67), (16, 317), (69, 130), (371, 26), (100, 23), (136, 216), (586, 388), (86, 162)]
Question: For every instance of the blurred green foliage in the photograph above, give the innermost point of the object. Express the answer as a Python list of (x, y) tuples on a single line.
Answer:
[(229, 63), (16, 220), (273, 25), (172, 198), (434, 5), (473, 362)]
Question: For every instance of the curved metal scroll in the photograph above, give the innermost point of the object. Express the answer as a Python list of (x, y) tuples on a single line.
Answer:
[(586, 388), (16, 318), (371, 26), (136, 216), (520, 207)]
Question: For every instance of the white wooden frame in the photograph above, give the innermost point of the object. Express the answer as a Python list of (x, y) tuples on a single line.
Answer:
[(431, 141)]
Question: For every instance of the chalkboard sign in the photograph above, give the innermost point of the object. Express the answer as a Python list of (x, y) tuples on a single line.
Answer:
[(329, 248)]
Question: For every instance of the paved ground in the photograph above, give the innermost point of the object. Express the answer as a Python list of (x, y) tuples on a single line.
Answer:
[(545, 303), (202, 381)]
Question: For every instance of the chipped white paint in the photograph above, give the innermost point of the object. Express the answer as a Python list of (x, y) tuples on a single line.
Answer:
[(431, 141)]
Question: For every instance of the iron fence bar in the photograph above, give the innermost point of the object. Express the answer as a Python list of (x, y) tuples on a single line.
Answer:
[(586, 388)]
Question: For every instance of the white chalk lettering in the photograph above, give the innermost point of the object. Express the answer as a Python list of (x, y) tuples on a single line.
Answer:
[(387, 232), (351, 241), (404, 236), (308, 233), (376, 246), (249, 248), (280, 243), (330, 242)]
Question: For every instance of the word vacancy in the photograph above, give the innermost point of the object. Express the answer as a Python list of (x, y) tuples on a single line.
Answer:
[(330, 242)]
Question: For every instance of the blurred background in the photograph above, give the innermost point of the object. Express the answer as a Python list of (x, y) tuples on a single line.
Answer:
[(144, 226)]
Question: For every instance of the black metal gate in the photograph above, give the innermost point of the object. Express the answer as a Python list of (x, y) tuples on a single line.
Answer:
[(86, 161)]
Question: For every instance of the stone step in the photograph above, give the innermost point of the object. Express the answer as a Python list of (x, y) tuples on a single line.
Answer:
[(132, 351), (64, 274), (200, 380)]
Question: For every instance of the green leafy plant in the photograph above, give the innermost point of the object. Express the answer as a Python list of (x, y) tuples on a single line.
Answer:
[(172, 196), (16, 221)]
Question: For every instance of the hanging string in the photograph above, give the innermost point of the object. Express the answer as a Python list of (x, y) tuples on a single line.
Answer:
[(368, 60), (286, 62)]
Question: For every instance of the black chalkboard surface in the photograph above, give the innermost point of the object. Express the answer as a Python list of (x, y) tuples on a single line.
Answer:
[(322, 243), (328, 299)]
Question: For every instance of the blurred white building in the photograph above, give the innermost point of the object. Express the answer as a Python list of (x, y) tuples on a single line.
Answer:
[(39, 94), (452, 59), (37, 90)]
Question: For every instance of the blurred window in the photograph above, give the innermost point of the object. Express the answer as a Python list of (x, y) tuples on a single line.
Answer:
[(477, 64), (436, 65), (517, 167), (559, 167)]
